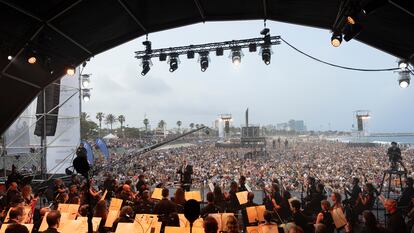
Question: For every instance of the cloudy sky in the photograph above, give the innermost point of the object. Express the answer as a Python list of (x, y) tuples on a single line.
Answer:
[(291, 87)]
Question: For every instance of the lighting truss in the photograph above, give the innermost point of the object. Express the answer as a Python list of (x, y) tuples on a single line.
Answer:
[(217, 47)]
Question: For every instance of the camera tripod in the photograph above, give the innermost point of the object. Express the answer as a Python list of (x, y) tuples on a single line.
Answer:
[(393, 170)]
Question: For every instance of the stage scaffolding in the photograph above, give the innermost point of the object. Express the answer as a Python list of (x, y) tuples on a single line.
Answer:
[(42, 155)]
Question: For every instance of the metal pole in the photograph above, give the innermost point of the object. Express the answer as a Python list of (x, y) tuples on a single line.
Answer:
[(80, 102), (43, 143), (3, 154)]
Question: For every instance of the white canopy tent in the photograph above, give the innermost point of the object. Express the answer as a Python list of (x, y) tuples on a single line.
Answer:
[(110, 137)]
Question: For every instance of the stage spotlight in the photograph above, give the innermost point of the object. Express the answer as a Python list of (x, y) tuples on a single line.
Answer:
[(351, 31), (236, 55), (350, 19), (219, 51), (173, 61), (402, 64), (146, 65), (404, 79), (86, 95), (9, 57), (163, 57), (252, 47), (70, 70), (204, 60), (190, 54), (266, 53), (85, 80), (336, 39), (31, 57)]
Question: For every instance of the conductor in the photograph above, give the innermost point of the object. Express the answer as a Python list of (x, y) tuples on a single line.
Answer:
[(185, 175)]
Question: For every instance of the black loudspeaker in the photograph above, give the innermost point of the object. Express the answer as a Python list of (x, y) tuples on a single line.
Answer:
[(360, 124), (191, 210), (46, 101), (81, 165)]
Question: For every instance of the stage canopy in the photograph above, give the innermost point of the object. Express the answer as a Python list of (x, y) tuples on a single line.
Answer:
[(66, 32)]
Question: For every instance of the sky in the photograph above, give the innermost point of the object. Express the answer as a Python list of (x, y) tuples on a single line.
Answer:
[(291, 87)]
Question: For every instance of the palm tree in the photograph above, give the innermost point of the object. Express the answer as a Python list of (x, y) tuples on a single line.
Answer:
[(100, 116), (110, 119), (121, 119), (161, 124), (84, 116), (179, 123), (146, 123), (191, 125)]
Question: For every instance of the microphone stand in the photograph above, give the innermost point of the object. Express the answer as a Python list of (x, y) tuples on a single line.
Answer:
[(142, 228), (89, 201)]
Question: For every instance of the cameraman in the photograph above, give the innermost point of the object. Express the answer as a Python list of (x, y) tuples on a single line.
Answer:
[(394, 155), (81, 151)]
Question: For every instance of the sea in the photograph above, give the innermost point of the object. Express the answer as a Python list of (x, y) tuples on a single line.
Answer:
[(401, 139)]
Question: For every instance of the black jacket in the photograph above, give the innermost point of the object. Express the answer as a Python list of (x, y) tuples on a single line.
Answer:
[(50, 230)]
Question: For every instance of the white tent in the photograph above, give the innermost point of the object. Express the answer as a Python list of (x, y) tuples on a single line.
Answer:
[(110, 136)]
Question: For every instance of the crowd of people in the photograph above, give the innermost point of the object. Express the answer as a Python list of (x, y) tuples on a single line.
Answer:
[(303, 185)]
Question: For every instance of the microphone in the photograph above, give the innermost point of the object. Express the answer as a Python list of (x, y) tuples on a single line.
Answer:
[(133, 219), (191, 211)]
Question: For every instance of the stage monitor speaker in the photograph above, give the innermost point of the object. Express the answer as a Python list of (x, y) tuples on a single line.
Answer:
[(50, 100)]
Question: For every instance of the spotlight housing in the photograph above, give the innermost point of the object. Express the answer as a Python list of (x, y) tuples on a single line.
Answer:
[(71, 70), (86, 94), (31, 57), (402, 64), (266, 52), (190, 54), (163, 57), (350, 19), (204, 60), (351, 31), (252, 47), (236, 55), (85, 80), (404, 79), (219, 51), (146, 65), (336, 39), (173, 61)]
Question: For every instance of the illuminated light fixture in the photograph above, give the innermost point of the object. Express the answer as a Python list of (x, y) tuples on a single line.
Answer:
[(9, 57), (236, 55), (85, 80), (190, 54), (86, 95), (31, 57), (219, 51), (204, 60), (402, 64), (146, 65), (336, 39), (351, 31), (252, 47), (173, 61), (163, 57), (350, 20), (266, 53), (404, 79), (71, 70)]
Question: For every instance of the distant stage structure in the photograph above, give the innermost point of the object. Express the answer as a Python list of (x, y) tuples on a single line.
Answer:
[(362, 117), (224, 128)]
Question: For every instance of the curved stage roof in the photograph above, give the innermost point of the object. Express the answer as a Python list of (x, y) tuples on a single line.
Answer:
[(70, 31)]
